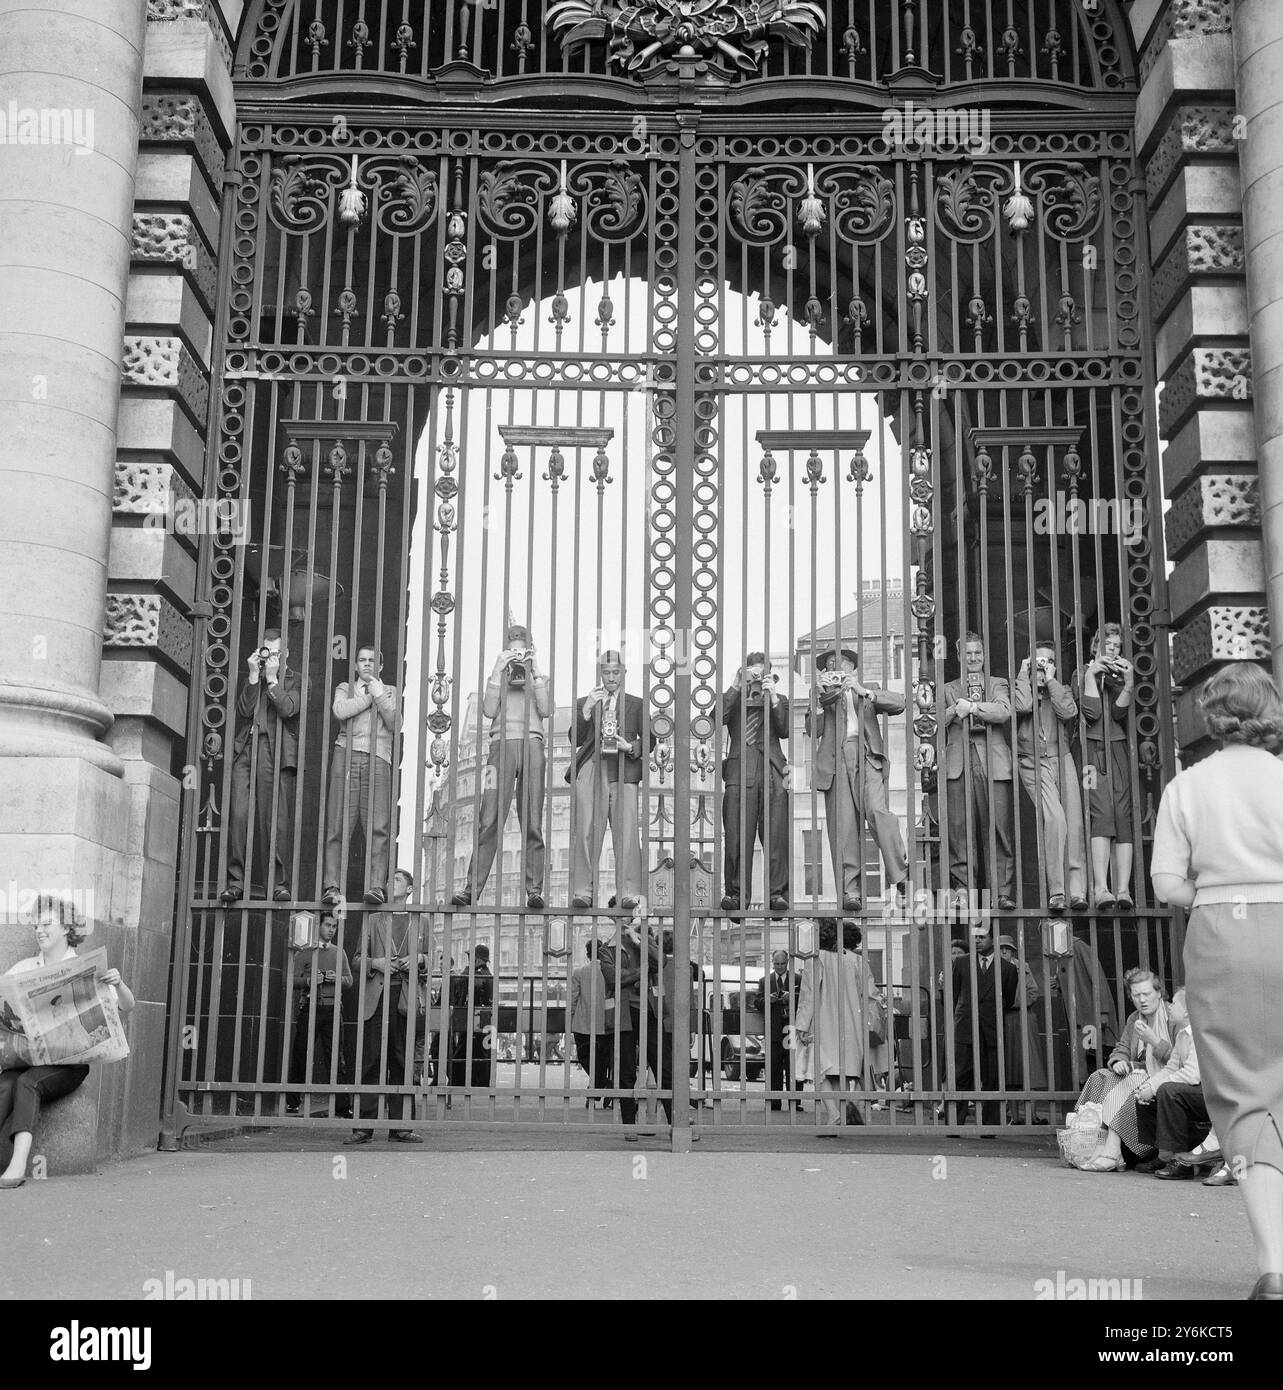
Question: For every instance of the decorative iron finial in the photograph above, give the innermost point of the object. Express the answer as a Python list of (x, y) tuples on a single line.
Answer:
[(352, 201)]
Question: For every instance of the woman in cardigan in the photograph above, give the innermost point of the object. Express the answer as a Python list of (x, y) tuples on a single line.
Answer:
[(1218, 847), (1139, 1057), (830, 1014), (24, 1089)]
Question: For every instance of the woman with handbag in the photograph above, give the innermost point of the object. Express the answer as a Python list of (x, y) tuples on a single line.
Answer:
[(831, 1019), (1218, 849), (1128, 1078)]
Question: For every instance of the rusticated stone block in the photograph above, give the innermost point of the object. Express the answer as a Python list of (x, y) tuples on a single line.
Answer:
[(171, 238), (180, 117), (1203, 249), (165, 362), (150, 621), (1193, 130), (1218, 634), (162, 11), (148, 489), (1213, 501), (1205, 374), (1183, 19)]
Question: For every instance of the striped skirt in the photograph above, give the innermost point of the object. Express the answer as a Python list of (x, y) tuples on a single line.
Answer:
[(1116, 1096)]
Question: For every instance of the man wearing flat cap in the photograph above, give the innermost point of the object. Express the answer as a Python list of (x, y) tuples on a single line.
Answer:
[(851, 768), (516, 702)]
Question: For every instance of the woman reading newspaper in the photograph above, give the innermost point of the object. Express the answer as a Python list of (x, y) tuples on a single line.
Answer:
[(23, 1088)]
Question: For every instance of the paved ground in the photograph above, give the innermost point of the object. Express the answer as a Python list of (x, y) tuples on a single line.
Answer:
[(303, 1217)]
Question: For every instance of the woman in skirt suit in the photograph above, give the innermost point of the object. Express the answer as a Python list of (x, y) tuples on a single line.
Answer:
[(1218, 847)]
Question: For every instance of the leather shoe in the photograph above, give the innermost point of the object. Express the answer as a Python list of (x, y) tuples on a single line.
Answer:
[(404, 1136), (1056, 904), (282, 895), (1174, 1170), (852, 904), (1150, 1165), (361, 1136), (332, 897), (375, 897), (1078, 903), (1268, 1288), (535, 902), (1200, 1158), (580, 903), (8, 1184), (1123, 903), (628, 902), (461, 899), (779, 904), (1221, 1178), (230, 895), (1006, 904), (729, 903)]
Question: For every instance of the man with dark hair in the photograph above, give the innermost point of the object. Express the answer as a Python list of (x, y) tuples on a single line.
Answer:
[(264, 754), (606, 774), (852, 770), (361, 777), (977, 716), (586, 1019), (756, 716), (997, 990), (1045, 715), (472, 993), (516, 702)]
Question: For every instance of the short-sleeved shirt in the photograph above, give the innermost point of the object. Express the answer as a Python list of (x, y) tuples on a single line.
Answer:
[(1220, 823)]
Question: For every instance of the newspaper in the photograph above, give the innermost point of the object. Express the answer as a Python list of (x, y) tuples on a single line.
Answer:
[(60, 1013)]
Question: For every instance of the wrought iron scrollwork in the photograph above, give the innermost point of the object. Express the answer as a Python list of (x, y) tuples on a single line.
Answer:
[(967, 198), (402, 191), (1071, 199)]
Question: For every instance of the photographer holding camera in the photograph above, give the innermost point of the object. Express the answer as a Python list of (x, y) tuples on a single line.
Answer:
[(1045, 713), (361, 777), (1105, 688), (516, 702), (265, 753), (756, 716)]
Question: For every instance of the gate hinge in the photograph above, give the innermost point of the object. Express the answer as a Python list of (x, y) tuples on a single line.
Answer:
[(232, 178), (1161, 617), (200, 608)]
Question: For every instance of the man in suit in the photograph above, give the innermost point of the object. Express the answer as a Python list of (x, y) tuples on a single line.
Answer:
[(586, 1013), (516, 702), (360, 791), (265, 755), (388, 953), (977, 714), (774, 993), (661, 1032), (997, 990), (852, 771), (473, 993), (1045, 715), (756, 716), (606, 773)]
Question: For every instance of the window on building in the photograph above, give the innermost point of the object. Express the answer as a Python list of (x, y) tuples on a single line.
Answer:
[(813, 862)]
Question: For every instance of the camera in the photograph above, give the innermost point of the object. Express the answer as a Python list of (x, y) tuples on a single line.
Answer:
[(264, 656), (1112, 668)]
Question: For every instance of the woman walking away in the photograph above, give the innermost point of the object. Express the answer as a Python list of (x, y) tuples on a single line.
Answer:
[(24, 1089), (1218, 847)]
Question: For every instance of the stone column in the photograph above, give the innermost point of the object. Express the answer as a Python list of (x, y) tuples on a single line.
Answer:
[(1258, 62)]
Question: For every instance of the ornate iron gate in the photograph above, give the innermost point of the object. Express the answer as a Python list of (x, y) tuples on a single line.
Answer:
[(695, 341)]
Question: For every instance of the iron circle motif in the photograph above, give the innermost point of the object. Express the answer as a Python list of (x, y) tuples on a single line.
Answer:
[(238, 328), (704, 667), (661, 725), (665, 340), (702, 727), (385, 365), (1136, 486), (705, 493), (664, 491), (215, 681), (1147, 725), (706, 258), (1145, 664), (663, 576), (706, 340), (706, 176), (663, 521), (230, 451), (704, 582), (663, 606), (660, 696), (233, 395), (704, 609), (233, 422), (662, 666), (705, 551), (703, 698), (1039, 369), (664, 549), (272, 362), (229, 480), (223, 568)]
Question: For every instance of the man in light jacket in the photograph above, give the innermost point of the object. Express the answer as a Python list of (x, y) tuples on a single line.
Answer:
[(587, 1018)]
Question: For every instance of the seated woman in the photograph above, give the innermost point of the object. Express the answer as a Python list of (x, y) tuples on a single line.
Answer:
[(1131, 1075), (23, 1088)]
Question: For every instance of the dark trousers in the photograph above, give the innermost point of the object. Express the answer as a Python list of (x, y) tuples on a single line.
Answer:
[(269, 796), (375, 1069), (515, 768), (348, 806), (626, 1077), (751, 798), (1000, 872), (1176, 1121), (659, 1056), (323, 1042), (990, 1110), (779, 1067), (24, 1089), (599, 1071)]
